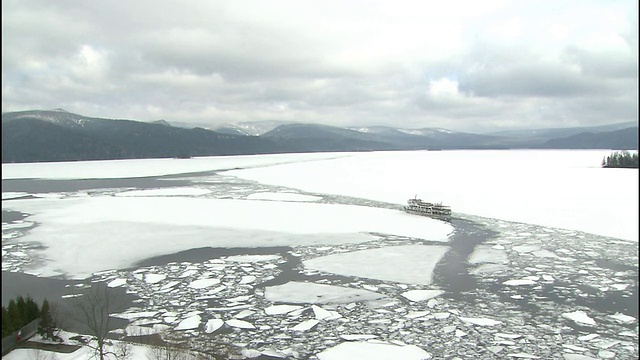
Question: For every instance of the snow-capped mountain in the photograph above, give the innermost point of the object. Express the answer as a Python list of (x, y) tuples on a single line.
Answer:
[(58, 135)]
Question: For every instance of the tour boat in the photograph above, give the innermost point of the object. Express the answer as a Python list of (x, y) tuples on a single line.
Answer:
[(435, 210)]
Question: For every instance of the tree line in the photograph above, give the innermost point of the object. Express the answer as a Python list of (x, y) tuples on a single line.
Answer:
[(621, 159), (21, 311)]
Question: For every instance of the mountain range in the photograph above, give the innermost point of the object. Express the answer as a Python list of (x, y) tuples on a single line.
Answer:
[(58, 135)]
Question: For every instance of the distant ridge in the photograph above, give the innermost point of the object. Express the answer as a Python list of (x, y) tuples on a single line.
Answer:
[(58, 135)]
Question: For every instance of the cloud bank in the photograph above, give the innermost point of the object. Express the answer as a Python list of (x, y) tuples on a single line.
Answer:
[(460, 65)]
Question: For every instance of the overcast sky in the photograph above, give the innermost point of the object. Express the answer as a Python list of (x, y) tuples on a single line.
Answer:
[(461, 65)]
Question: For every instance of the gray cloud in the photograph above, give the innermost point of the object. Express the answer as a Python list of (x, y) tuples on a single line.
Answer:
[(458, 65)]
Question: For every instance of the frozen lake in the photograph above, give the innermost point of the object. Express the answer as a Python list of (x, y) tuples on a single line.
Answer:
[(310, 255)]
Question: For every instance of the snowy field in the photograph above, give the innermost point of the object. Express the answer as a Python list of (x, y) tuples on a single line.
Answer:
[(361, 276)]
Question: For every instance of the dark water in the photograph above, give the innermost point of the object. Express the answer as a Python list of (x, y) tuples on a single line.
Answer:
[(452, 272), (65, 309), (11, 216)]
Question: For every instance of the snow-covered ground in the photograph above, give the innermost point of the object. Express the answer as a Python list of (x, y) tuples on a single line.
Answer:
[(340, 213)]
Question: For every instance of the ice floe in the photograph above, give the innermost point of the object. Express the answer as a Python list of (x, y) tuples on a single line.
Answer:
[(421, 295), (240, 324), (579, 316), (519, 282), (161, 220), (203, 283), (311, 293), (117, 282), (192, 322), (305, 325), (373, 351), (411, 264), (622, 318), (154, 278), (486, 254), (281, 309), (212, 325)]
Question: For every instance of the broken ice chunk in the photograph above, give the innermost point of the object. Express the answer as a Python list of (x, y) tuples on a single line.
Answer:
[(213, 325), (247, 279), (281, 309), (305, 325), (523, 356), (481, 321), (622, 318), (373, 351), (421, 295), (189, 323), (154, 278), (240, 324), (579, 317), (588, 337), (117, 282), (352, 337), (519, 282), (203, 283), (323, 314)]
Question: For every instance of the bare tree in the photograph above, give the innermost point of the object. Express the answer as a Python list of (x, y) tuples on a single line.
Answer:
[(92, 309), (168, 352), (37, 354), (123, 350)]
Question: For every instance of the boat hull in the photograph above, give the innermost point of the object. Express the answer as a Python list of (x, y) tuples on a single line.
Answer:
[(435, 216)]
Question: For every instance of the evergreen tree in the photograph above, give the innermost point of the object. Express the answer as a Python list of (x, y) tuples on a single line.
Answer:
[(621, 159), (14, 318), (22, 310), (47, 327), (31, 309), (5, 324)]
